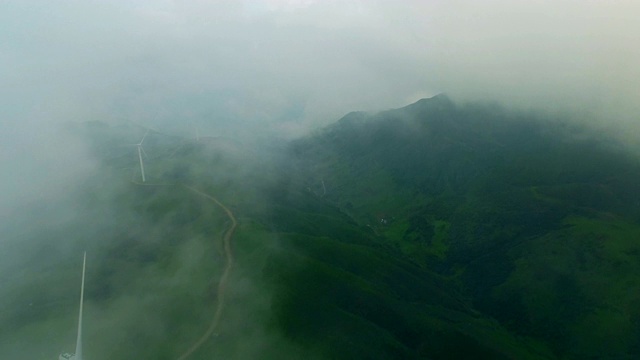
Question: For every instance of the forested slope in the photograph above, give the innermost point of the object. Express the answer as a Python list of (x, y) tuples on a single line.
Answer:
[(537, 219)]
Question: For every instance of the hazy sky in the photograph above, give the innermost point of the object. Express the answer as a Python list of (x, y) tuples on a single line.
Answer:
[(305, 61), (236, 67)]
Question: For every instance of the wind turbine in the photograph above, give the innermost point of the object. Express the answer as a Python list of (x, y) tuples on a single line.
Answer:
[(140, 151), (78, 353)]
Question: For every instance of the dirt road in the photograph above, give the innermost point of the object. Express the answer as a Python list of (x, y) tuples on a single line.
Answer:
[(222, 285)]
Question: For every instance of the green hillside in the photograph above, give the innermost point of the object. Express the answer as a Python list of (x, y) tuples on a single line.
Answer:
[(435, 231), (538, 221)]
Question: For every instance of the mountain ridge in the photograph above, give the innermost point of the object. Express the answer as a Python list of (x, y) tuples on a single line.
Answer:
[(462, 189)]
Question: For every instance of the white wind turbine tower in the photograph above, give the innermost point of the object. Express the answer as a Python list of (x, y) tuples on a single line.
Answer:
[(140, 151), (78, 353)]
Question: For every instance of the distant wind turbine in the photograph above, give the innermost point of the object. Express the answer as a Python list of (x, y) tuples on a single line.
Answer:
[(78, 353), (140, 151)]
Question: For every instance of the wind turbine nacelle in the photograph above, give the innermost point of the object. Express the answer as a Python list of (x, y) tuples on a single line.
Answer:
[(67, 356)]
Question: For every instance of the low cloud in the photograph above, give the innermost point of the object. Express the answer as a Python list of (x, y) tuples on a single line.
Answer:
[(237, 66), (246, 69)]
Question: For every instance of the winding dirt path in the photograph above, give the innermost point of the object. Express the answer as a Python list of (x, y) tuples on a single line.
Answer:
[(223, 280)]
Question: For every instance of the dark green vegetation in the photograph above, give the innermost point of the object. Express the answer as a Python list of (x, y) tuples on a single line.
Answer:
[(538, 222), (434, 231)]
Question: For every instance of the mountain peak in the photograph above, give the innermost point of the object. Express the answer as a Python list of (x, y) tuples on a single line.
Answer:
[(439, 102)]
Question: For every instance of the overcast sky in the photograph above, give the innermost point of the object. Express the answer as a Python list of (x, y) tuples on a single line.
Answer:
[(301, 62), (284, 67)]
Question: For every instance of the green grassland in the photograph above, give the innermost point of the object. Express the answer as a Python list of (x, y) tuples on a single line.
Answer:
[(536, 221), (434, 231)]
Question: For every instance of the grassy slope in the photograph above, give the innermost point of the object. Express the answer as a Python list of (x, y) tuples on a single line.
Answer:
[(538, 221), (342, 292), (478, 225), (310, 281)]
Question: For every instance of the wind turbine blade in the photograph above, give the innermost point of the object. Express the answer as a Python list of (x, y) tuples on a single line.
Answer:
[(145, 135), (78, 355), (144, 152), (141, 163)]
